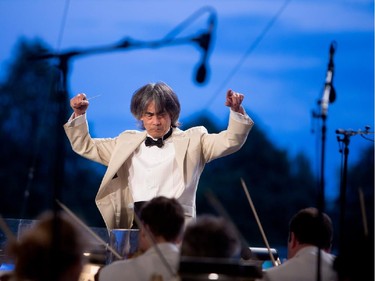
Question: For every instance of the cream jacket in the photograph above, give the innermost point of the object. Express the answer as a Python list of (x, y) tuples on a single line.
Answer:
[(194, 148)]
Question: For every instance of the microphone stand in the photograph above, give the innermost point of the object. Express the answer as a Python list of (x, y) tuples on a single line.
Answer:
[(329, 96), (345, 140), (321, 189), (61, 99), (321, 201), (321, 193), (344, 175)]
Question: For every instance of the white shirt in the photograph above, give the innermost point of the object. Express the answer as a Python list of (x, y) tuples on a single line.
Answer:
[(153, 172), (143, 267)]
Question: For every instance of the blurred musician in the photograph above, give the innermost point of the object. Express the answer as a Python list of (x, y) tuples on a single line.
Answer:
[(163, 218), (210, 237), (52, 249), (308, 233)]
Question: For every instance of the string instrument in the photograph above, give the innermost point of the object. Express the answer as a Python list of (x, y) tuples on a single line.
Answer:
[(275, 261)]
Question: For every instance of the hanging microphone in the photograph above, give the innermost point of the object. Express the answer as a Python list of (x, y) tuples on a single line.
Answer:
[(204, 42), (329, 94)]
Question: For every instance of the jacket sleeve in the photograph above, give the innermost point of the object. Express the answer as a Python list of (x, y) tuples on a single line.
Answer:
[(228, 141), (96, 149)]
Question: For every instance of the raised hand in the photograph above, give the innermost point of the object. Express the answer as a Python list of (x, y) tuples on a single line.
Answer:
[(234, 101), (79, 104)]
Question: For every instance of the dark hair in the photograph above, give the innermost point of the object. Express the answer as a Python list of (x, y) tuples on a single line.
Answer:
[(310, 228), (164, 216), (210, 237), (48, 249), (162, 95)]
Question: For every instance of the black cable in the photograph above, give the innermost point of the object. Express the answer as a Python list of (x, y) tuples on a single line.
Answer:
[(63, 24), (173, 33), (248, 52)]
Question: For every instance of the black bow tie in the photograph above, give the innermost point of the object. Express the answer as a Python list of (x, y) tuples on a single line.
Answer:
[(159, 142), (150, 142)]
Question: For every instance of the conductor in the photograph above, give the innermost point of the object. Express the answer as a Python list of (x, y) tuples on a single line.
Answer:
[(158, 160)]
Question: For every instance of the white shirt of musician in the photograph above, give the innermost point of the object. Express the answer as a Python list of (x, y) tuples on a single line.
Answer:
[(153, 171)]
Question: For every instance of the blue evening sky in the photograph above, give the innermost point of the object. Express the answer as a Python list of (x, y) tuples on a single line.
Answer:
[(275, 52)]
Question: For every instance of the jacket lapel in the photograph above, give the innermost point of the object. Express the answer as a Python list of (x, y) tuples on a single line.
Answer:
[(180, 145), (126, 147)]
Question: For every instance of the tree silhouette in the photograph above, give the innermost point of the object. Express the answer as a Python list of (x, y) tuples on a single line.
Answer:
[(28, 133)]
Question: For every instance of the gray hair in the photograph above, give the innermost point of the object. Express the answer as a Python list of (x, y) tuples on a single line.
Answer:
[(162, 95)]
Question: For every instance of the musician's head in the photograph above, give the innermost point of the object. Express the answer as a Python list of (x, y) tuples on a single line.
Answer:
[(164, 219), (210, 237), (52, 249), (157, 107), (309, 227)]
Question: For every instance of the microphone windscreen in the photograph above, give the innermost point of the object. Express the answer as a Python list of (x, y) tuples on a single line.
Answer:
[(201, 73)]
